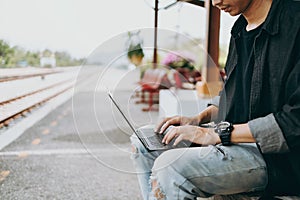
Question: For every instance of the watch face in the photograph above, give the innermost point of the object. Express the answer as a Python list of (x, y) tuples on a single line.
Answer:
[(224, 130), (222, 126)]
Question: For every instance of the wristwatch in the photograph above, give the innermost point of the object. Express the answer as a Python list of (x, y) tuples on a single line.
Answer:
[(224, 130)]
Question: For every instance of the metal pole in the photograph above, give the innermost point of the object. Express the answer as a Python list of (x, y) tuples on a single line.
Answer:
[(210, 71), (155, 34)]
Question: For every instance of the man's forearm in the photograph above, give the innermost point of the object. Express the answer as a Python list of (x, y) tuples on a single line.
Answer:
[(208, 115), (242, 134)]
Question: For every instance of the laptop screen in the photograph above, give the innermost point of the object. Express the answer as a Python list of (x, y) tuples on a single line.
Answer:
[(119, 109)]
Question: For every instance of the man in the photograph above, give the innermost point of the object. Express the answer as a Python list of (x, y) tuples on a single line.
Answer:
[(255, 146)]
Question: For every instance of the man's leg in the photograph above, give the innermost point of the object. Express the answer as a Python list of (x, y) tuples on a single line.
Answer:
[(205, 171), (143, 162)]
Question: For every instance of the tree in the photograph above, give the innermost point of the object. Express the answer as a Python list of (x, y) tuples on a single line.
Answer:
[(6, 53), (17, 56), (64, 59), (47, 53), (33, 58)]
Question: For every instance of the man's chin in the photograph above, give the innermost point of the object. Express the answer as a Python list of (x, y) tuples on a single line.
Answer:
[(233, 14)]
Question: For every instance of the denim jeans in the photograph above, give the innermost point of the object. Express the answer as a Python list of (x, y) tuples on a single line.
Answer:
[(188, 173)]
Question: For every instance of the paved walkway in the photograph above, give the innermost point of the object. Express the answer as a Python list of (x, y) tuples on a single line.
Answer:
[(81, 150)]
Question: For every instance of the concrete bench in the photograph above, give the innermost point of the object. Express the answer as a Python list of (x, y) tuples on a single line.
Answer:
[(181, 102)]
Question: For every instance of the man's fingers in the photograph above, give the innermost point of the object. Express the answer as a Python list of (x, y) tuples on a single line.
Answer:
[(166, 136), (160, 124), (165, 126), (178, 139), (168, 123), (170, 135)]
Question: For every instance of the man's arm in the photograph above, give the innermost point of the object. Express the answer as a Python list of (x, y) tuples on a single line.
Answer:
[(264, 131), (208, 115), (268, 134), (269, 141), (242, 134)]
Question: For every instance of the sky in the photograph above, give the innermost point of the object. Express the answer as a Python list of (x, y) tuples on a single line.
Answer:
[(80, 26)]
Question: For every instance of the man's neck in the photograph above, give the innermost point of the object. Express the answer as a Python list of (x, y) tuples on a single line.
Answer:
[(256, 13)]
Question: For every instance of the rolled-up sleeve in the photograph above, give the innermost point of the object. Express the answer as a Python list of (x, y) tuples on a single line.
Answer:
[(268, 135)]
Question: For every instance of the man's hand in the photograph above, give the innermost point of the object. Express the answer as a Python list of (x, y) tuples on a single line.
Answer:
[(194, 134), (176, 120), (205, 116)]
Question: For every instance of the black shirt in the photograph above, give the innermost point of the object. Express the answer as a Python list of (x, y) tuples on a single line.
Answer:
[(276, 70), (244, 73)]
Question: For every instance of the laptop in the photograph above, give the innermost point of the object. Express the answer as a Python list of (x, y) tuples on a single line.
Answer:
[(151, 140)]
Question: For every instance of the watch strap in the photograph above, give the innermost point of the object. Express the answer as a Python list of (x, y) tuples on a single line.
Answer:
[(224, 130)]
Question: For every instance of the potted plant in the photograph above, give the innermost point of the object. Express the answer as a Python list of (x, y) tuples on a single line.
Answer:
[(187, 73), (135, 54), (135, 51)]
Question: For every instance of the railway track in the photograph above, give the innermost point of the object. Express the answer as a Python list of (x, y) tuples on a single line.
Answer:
[(13, 78), (19, 104)]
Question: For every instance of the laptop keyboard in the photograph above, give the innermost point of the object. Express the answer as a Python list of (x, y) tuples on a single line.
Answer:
[(154, 140)]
